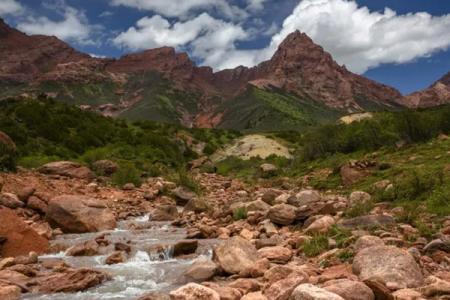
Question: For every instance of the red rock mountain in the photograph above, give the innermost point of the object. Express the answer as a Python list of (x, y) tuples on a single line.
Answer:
[(437, 94), (299, 67)]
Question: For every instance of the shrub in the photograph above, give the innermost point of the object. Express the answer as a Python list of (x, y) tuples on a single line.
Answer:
[(182, 178), (127, 173), (240, 214), (439, 201), (316, 245), (8, 158), (359, 209)]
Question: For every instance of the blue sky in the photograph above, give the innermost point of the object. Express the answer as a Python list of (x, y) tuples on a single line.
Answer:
[(403, 43)]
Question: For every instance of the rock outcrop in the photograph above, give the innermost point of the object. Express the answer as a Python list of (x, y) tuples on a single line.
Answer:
[(78, 214), (20, 238)]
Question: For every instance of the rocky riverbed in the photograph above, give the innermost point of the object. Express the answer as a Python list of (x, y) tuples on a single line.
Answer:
[(65, 235)]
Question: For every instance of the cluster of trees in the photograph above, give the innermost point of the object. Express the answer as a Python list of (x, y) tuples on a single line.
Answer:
[(385, 129)]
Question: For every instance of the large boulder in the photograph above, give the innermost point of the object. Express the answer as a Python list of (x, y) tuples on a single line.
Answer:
[(19, 238), (79, 214), (311, 292), (305, 197), (282, 214), (396, 267), (235, 255), (70, 281), (68, 169), (9, 292), (349, 289), (193, 291)]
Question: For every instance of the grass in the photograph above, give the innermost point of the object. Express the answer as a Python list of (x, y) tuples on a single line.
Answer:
[(316, 245), (127, 173), (240, 214)]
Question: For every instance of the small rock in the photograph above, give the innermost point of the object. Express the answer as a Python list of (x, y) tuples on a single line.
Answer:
[(10, 292), (235, 255), (89, 248), (116, 257), (193, 291), (321, 225), (311, 292), (276, 254), (367, 241), (201, 270), (185, 247), (349, 289), (164, 213), (183, 195), (10, 200), (268, 170)]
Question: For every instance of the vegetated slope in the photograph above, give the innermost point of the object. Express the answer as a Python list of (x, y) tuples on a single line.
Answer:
[(48, 130), (300, 85)]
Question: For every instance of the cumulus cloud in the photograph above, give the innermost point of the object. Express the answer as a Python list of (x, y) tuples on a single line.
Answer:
[(255, 5), (355, 36), (207, 38), (183, 8), (74, 25), (10, 7)]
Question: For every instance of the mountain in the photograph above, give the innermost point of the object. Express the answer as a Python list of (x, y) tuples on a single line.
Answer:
[(436, 94), (299, 86)]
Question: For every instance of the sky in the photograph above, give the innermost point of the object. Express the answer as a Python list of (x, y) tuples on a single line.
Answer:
[(402, 43)]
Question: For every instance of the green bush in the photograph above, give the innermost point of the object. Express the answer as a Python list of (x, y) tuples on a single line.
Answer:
[(359, 209), (316, 245), (439, 201), (127, 173), (8, 158), (182, 178), (240, 214)]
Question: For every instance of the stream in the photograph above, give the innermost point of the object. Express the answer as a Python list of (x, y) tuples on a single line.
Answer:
[(146, 270)]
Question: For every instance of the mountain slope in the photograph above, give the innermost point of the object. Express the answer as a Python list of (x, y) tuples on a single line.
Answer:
[(300, 85), (437, 94)]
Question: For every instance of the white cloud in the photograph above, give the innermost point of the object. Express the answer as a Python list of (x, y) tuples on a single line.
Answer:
[(74, 25), (207, 38), (355, 36), (255, 5), (362, 39), (10, 7), (182, 8), (106, 14)]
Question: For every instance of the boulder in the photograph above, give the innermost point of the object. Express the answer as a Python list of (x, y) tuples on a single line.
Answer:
[(282, 214), (235, 255), (254, 296), (37, 204), (79, 214), (407, 294), (349, 289), (183, 195), (321, 225), (19, 238), (154, 296), (306, 197), (359, 197), (367, 241), (396, 267), (311, 292), (437, 245), (282, 289), (10, 200), (70, 281), (351, 175), (268, 170), (201, 270), (88, 248), (197, 205), (117, 257), (10, 292), (105, 167), (185, 247), (257, 205), (25, 193), (276, 254), (193, 291), (368, 221), (435, 287), (67, 169), (164, 213)]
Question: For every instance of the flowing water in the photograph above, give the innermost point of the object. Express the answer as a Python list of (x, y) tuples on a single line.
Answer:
[(146, 270)]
